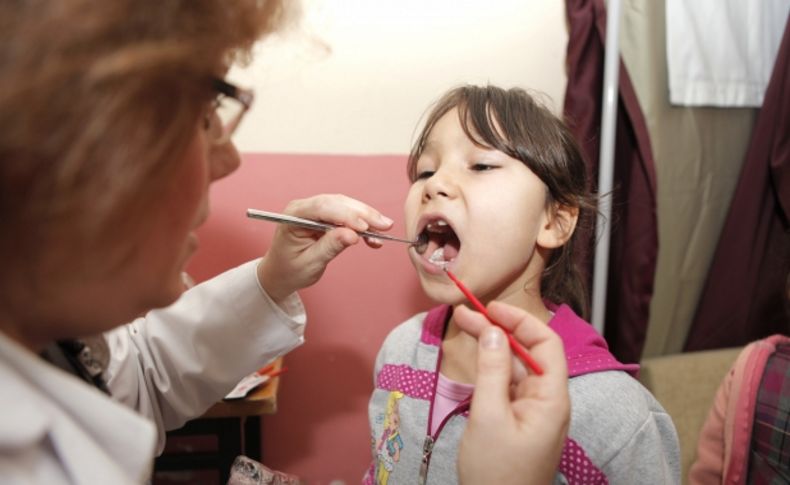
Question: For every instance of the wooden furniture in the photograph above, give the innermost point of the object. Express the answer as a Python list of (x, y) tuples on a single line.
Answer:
[(203, 450)]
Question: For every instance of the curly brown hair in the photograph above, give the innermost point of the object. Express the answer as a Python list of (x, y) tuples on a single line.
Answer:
[(98, 100)]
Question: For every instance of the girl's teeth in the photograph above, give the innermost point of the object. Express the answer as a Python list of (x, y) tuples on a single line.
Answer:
[(437, 225), (437, 257)]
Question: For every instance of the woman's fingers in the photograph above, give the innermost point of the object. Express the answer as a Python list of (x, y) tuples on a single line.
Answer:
[(494, 367), (542, 343), (298, 257), (514, 434), (341, 210)]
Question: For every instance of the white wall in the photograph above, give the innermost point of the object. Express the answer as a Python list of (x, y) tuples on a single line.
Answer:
[(355, 76)]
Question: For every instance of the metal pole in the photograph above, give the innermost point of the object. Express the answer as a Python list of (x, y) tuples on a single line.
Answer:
[(606, 162)]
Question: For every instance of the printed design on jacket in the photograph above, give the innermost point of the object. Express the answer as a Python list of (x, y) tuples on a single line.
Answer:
[(408, 363), (390, 443), (415, 383), (577, 467)]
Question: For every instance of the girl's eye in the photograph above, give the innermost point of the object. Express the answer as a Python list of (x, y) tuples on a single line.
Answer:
[(482, 167), (424, 174)]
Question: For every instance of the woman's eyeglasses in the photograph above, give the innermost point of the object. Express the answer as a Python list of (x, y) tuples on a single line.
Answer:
[(227, 110)]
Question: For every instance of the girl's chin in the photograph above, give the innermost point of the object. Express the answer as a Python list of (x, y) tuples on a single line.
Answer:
[(441, 291)]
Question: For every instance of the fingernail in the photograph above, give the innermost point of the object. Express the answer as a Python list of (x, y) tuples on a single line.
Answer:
[(386, 220), (492, 339)]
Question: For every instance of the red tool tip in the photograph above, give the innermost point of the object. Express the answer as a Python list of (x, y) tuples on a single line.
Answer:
[(514, 345)]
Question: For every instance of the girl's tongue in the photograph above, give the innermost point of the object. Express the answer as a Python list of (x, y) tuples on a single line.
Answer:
[(441, 244), (443, 254)]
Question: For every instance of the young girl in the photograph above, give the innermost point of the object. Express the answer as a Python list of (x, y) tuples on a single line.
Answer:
[(498, 185)]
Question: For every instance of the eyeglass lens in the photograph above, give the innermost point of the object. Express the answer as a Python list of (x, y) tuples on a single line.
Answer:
[(229, 111)]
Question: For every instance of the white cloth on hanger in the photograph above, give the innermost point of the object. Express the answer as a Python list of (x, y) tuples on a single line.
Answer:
[(722, 52)]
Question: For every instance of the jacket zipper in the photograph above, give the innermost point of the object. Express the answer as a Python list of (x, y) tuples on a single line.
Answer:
[(430, 440), (427, 449)]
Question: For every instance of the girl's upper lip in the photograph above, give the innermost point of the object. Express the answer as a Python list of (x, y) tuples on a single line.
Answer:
[(426, 219), (444, 235)]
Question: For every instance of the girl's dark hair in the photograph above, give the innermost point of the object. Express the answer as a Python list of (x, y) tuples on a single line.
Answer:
[(513, 122)]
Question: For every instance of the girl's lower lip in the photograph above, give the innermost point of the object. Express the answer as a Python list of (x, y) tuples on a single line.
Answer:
[(430, 268)]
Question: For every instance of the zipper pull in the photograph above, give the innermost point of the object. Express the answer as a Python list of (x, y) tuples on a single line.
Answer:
[(427, 449)]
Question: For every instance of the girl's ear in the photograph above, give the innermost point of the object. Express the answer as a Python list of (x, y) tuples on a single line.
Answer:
[(558, 226)]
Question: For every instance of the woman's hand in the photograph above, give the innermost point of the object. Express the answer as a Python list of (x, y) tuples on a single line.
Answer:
[(298, 257), (515, 432)]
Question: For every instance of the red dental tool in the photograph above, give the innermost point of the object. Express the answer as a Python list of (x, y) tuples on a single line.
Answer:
[(514, 345)]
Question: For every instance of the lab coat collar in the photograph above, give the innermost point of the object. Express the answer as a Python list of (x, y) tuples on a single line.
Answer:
[(95, 439)]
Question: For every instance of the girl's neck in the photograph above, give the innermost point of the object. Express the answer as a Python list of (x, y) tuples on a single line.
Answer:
[(459, 349)]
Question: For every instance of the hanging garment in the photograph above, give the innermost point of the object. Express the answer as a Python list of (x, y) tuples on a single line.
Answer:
[(745, 295), (722, 52), (634, 244)]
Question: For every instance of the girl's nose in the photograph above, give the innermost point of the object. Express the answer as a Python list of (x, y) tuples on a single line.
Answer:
[(440, 184), (224, 159)]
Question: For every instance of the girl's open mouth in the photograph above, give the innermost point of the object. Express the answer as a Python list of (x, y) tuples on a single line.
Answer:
[(441, 244)]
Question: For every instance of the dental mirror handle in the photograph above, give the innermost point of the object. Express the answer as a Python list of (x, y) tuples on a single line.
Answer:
[(317, 226)]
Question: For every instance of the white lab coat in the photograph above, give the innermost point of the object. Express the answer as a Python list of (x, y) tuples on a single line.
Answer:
[(170, 366)]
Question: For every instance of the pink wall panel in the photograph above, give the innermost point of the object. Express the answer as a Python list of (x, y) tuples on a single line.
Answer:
[(320, 429)]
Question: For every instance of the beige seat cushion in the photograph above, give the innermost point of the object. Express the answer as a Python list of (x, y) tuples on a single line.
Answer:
[(685, 385)]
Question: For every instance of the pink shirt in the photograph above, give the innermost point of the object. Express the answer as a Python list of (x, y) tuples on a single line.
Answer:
[(449, 394)]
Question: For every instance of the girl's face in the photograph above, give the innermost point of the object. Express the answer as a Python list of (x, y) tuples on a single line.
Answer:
[(486, 217)]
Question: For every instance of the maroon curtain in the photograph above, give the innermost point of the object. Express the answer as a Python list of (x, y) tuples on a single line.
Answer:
[(746, 294), (634, 243)]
